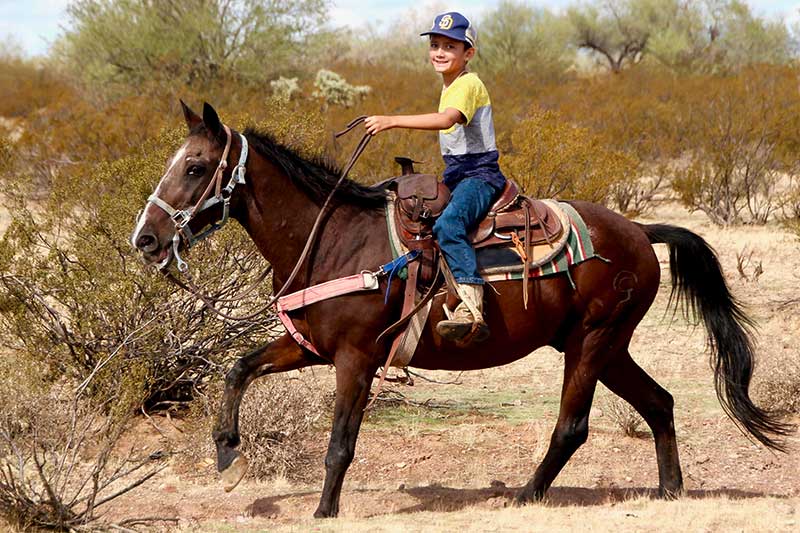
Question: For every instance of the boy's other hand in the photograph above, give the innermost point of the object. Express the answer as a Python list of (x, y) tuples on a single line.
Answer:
[(378, 123)]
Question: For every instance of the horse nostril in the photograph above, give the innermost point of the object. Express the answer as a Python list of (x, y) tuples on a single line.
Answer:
[(146, 242)]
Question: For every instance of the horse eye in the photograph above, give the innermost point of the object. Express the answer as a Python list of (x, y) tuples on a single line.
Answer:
[(196, 170)]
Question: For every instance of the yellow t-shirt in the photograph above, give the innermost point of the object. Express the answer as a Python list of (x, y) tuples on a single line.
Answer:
[(468, 95)]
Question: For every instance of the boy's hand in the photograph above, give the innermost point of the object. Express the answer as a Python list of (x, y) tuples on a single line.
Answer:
[(378, 123)]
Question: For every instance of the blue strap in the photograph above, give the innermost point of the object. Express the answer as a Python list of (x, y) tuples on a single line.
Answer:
[(394, 266)]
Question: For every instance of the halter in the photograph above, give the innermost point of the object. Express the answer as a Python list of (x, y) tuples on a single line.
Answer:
[(182, 217), (183, 232)]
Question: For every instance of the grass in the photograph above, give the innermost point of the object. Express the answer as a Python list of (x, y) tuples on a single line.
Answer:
[(636, 513), (465, 405)]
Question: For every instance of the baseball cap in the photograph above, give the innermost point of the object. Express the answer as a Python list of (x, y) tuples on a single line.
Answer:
[(453, 25)]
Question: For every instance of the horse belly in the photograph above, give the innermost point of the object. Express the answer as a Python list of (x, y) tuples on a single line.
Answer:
[(515, 331)]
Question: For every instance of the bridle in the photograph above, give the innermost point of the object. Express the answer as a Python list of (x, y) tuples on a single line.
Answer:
[(182, 217)]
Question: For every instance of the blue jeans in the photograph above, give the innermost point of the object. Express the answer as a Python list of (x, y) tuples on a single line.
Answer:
[(469, 203)]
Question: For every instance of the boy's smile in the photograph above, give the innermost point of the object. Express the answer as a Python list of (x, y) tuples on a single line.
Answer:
[(448, 56)]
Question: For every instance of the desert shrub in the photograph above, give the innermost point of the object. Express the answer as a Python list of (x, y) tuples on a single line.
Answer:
[(750, 268), (790, 207), (279, 414), (551, 158), (333, 89), (61, 459), (622, 415), (779, 384), (6, 156), (28, 86), (284, 88), (743, 138), (634, 113), (75, 298)]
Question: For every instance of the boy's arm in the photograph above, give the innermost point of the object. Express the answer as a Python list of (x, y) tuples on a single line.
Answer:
[(428, 121)]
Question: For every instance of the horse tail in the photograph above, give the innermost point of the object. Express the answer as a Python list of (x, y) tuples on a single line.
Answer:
[(697, 276)]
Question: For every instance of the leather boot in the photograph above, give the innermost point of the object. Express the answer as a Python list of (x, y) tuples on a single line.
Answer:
[(466, 323)]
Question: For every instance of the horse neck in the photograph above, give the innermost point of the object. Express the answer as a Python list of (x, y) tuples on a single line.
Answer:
[(279, 216)]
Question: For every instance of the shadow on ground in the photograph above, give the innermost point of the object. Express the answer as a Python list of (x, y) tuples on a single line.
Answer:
[(439, 498)]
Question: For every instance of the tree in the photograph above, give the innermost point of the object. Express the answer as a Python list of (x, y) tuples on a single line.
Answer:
[(617, 32), (189, 40), (684, 35), (745, 39), (516, 37)]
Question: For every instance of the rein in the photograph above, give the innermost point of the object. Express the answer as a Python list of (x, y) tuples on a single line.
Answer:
[(183, 233)]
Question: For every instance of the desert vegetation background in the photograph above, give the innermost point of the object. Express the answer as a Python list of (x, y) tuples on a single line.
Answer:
[(680, 111)]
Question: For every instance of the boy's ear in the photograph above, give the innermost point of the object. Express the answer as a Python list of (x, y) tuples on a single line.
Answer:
[(470, 52)]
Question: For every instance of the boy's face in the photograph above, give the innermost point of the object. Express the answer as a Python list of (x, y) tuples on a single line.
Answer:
[(448, 56)]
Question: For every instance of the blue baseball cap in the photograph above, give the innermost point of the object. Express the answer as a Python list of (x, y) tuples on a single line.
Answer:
[(453, 25)]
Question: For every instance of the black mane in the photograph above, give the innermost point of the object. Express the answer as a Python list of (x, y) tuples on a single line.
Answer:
[(316, 176)]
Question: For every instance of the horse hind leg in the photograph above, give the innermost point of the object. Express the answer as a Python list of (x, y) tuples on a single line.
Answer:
[(583, 359), (630, 382), (281, 355)]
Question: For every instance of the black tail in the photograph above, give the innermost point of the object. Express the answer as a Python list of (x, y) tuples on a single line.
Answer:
[(697, 276)]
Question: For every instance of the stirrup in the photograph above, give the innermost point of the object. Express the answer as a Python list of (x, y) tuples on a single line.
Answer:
[(463, 333)]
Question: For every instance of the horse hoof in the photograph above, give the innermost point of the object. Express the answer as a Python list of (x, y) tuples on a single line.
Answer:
[(324, 514), (232, 475), (524, 498), (669, 495)]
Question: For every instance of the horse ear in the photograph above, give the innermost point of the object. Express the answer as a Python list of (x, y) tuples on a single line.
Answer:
[(212, 122), (192, 118)]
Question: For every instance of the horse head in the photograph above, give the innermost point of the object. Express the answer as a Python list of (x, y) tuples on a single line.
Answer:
[(189, 196)]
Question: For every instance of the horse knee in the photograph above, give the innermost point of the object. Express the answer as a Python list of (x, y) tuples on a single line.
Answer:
[(237, 374), (338, 457), (571, 435)]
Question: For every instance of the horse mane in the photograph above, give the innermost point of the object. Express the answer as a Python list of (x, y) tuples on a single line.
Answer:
[(316, 176)]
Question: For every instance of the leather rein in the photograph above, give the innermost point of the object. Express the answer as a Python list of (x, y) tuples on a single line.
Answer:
[(183, 233)]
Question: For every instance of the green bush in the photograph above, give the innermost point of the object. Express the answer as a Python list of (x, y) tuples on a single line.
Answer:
[(551, 158), (75, 298)]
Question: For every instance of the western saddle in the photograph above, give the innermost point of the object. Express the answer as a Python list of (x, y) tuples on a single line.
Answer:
[(513, 219)]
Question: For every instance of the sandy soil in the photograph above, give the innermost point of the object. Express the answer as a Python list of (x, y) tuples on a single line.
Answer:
[(458, 468)]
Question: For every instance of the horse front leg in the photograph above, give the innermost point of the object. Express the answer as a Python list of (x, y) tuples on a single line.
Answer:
[(354, 375), (281, 355)]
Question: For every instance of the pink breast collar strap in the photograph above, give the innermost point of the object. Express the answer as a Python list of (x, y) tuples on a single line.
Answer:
[(365, 281)]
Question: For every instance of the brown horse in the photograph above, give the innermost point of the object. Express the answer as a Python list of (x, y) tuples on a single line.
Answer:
[(591, 323)]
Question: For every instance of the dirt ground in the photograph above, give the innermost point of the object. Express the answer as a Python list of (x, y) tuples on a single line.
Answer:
[(458, 465)]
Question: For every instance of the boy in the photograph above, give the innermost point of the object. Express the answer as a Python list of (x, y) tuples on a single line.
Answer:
[(466, 136)]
